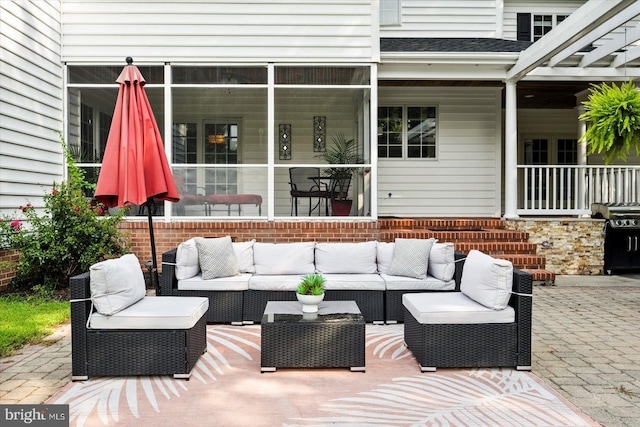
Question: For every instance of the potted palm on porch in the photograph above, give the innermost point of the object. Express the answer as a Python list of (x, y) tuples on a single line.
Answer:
[(342, 151)]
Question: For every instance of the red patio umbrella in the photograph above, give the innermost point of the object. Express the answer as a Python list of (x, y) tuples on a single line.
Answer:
[(135, 169)]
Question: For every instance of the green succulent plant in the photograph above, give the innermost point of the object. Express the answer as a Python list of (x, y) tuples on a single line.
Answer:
[(311, 284)]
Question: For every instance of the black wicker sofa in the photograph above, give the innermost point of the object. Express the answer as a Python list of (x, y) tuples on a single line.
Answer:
[(270, 272)]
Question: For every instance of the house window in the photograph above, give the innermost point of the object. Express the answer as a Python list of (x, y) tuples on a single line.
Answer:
[(533, 27), (389, 12), (407, 132), (567, 151), (86, 134), (221, 147), (185, 143)]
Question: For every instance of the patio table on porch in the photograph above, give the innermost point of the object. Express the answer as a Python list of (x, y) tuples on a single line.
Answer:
[(334, 337)]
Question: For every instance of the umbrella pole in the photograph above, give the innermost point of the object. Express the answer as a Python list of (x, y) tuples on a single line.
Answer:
[(154, 270)]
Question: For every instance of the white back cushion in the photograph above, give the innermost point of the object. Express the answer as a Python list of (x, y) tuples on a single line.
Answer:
[(487, 280), (384, 255), (442, 263), (244, 256), (116, 284), (284, 258), (187, 265), (348, 258)]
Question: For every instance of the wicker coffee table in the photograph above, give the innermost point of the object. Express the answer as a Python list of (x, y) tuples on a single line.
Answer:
[(331, 338)]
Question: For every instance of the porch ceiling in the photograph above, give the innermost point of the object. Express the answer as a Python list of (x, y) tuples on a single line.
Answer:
[(530, 94)]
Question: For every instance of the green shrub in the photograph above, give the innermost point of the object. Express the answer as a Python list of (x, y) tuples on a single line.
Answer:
[(72, 234)]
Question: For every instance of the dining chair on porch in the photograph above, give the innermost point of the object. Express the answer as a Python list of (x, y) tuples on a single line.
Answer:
[(306, 182)]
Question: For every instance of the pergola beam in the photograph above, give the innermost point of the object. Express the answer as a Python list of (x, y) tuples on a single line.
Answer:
[(597, 33), (618, 42), (587, 18), (624, 57)]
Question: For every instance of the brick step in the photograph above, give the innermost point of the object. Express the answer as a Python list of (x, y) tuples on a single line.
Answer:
[(498, 248), (453, 236), (487, 235), (444, 224), (525, 262), (521, 261), (541, 275)]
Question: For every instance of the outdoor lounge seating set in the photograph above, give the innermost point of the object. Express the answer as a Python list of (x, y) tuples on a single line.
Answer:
[(458, 311)]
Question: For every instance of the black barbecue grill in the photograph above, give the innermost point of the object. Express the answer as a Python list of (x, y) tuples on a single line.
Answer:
[(621, 234)]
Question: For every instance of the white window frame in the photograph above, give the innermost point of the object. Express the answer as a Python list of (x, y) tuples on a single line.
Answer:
[(390, 13), (554, 23), (405, 132)]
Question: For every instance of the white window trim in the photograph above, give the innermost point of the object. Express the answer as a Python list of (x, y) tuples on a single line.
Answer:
[(405, 132), (389, 8)]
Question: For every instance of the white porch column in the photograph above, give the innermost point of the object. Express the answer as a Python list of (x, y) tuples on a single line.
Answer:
[(511, 152), (583, 202), (582, 161)]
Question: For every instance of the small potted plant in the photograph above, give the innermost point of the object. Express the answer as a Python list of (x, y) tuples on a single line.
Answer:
[(310, 292)]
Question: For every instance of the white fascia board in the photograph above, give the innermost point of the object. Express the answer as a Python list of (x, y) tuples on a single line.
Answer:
[(581, 74), (452, 58), (587, 18), (618, 42), (597, 33), (416, 71)]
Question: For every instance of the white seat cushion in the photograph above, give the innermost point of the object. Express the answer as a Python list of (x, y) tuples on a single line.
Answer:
[(155, 313), (405, 283), (231, 283), (453, 308), (354, 282), (286, 282)]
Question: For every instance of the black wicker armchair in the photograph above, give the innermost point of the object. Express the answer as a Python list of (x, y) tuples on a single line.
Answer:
[(476, 345), (115, 352)]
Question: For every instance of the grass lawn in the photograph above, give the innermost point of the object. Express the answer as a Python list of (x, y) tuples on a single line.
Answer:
[(28, 320)]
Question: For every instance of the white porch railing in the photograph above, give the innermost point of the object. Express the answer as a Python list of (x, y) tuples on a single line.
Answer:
[(570, 190)]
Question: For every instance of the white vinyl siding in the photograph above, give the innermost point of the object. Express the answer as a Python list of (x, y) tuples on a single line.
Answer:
[(30, 102), (464, 180), (539, 7), (220, 31), (429, 18)]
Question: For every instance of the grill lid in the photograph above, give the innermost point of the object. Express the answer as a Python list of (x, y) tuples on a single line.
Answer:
[(615, 210), (619, 214)]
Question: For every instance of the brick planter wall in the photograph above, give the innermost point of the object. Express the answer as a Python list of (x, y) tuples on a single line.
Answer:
[(7, 272), (570, 245)]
